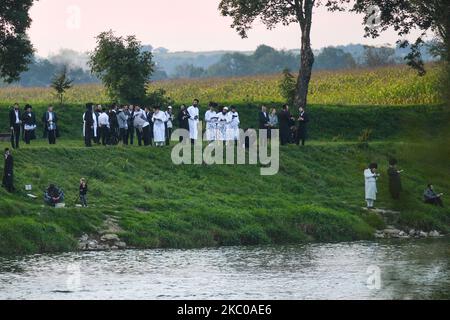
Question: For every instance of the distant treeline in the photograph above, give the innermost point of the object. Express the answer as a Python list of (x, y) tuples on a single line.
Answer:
[(190, 65)]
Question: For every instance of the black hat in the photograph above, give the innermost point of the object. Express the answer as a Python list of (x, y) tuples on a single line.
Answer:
[(28, 106), (373, 166)]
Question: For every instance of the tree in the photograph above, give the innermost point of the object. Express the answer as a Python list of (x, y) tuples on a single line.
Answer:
[(16, 50), (124, 68), (288, 86), (377, 57), (405, 16), (189, 71), (61, 83), (333, 58), (271, 13)]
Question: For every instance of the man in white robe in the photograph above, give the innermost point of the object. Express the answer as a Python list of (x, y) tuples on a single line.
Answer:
[(371, 176), (233, 132), (223, 125), (194, 113), (211, 119), (159, 128)]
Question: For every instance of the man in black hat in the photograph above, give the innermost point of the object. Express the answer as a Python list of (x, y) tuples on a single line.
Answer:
[(8, 169), (15, 122), (29, 124), (88, 125)]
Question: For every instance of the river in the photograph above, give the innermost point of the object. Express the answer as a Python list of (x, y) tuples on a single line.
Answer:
[(357, 270)]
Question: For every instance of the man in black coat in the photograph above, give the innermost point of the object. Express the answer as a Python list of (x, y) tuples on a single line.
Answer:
[(302, 132), (88, 125), (183, 119), (284, 119), (15, 123), (29, 124), (8, 171), (264, 122), (50, 120)]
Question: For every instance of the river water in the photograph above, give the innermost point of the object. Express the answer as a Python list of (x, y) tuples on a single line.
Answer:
[(357, 270)]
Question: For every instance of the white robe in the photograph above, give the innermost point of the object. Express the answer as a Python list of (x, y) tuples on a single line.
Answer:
[(222, 126), (371, 185), (193, 122), (211, 125), (159, 128), (94, 117), (233, 127)]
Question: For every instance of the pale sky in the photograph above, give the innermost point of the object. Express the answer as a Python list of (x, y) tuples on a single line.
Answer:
[(179, 25)]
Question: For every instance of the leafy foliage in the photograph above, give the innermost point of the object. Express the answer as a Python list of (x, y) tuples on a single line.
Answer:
[(61, 82), (288, 86), (123, 67), (15, 48)]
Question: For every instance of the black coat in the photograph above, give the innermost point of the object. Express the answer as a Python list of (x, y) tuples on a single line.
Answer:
[(8, 171), (183, 119), (12, 117), (29, 118), (302, 126), (263, 120), (285, 120)]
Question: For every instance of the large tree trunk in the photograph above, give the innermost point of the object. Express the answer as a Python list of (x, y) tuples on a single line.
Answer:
[(304, 76)]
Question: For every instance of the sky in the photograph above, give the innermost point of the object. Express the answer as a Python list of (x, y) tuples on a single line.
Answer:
[(178, 25)]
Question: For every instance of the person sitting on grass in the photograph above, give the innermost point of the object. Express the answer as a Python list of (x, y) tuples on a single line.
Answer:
[(53, 195), (83, 192), (431, 197)]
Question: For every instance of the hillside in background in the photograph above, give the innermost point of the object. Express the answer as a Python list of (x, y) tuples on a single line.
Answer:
[(264, 60)]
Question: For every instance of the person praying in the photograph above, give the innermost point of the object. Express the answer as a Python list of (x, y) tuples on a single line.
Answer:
[(223, 125), (395, 183), (169, 123), (29, 124), (233, 127), (194, 119), (159, 129), (431, 197), (371, 176), (211, 119), (90, 125)]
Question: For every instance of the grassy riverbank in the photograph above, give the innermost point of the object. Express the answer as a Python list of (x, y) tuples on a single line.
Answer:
[(316, 196)]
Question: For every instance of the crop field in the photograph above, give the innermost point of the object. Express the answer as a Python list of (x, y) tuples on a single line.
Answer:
[(397, 85)]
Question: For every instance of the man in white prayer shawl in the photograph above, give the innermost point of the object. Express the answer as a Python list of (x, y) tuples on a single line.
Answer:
[(211, 119), (159, 128), (193, 112), (233, 127), (223, 125), (371, 176)]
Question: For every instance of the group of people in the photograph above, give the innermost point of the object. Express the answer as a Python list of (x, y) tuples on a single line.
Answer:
[(23, 124), (292, 129), (371, 176), (122, 123)]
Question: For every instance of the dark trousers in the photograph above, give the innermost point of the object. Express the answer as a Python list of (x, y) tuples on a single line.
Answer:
[(168, 135), (51, 136), (27, 136), (435, 201), (123, 135), (15, 136), (146, 135), (7, 182), (139, 137), (97, 138), (284, 135), (104, 134), (83, 200), (130, 135), (88, 137)]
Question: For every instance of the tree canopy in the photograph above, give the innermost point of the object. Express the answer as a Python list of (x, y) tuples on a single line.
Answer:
[(123, 66), (16, 49)]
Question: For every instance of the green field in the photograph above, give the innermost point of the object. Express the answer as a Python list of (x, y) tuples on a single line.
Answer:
[(316, 196)]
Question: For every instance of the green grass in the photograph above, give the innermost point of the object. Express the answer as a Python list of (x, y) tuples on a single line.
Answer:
[(316, 196)]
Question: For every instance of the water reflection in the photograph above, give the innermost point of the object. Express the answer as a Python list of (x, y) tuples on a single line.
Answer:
[(417, 269)]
